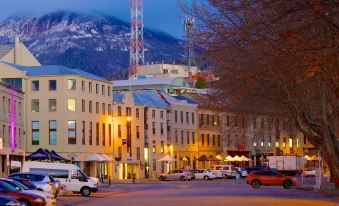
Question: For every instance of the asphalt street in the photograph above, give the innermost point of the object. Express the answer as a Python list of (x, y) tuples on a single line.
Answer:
[(198, 194)]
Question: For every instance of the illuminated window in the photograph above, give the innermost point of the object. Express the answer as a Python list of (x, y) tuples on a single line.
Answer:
[(71, 84), (162, 146), (276, 144), (72, 132), (298, 143), (71, 105), (52, 132), (52, 105), (290, 142)]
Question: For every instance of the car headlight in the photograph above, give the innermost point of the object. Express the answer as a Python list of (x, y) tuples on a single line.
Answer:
[(39, 200), (12, 203)]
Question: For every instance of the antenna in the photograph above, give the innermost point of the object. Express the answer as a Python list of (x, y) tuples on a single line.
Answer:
[(137, 50), (188, 28)]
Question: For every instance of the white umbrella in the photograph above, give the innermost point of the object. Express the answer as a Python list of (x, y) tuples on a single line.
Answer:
[(167, 158), (237, 158), (229, 158), (245, 159), (94, 158)]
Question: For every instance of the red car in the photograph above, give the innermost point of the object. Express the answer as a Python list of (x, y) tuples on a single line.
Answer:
[(269, 177), (25, 199)]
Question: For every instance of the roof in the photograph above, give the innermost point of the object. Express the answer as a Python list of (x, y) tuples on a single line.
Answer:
[(151, 98), (189, 100), (147, 81), (5, 49), (52, 70)]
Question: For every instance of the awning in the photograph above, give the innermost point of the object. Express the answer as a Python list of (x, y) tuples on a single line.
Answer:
[(40, 154), (229, 158), (106, 158), (61, 157), (203, 158), (94, 158), (167, 158), (237, 158), (239, 153), (244, 159)]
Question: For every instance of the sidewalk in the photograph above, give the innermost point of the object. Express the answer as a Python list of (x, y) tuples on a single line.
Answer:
[(334, 193)]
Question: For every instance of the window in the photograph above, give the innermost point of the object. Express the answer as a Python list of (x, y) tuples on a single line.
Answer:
[(161, 114), (52, 85), (35, 85), (153, 127), (213, 140), (97, 107), (262, 143), (161, 128), (154, 164), (138, 132), (262, 123), (182, 116), (188, 137), (161, 146), (52, 105), (52, 132), (119, 130), (109, 109), (103, 89), (71, 105), (103, 107), (103, 134), (83, 131), (153, 113), (254, 142), (201, 119), (208, 140), (119, 111), (176, 136), (35, 132), (90, 106), (35, 105), (90, 87), (193, 118), (72, 132), (109, 91), (138, 153), (128, 112), (137, 113), (284, 142), (187, 118), (90, 137), (83, 86), (208, 119), (228, 121), (202, 139), (97, 88), (182, 137), (254, 122), (290, 142), (176, 116), (110, 134), (83, 105), (218, 140), (298, 143), (154, 146), (193, 137), (71, 84), (97, 134), (235, 121), (276, 144)]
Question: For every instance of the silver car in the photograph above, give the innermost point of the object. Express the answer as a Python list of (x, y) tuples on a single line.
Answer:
[(43, 182), (176, 175)]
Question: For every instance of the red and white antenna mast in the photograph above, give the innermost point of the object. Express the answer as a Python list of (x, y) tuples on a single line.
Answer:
[(137, 50)]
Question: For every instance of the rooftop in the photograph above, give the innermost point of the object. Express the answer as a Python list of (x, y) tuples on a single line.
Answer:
[(148, 81), (151, 98), (52, 70), (4, 49)]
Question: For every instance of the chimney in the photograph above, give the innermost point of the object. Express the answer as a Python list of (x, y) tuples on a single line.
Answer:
[(16, 50)]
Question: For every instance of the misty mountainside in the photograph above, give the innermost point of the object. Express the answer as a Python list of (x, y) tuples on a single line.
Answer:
[(98, 43)]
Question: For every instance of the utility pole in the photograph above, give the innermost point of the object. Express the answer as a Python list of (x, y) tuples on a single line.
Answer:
[(137, 50)]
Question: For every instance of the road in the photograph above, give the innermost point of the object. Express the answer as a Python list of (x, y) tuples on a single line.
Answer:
[(198, 194)]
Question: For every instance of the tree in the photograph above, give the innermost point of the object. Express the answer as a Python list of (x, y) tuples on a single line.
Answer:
[(200, 84), (281, 55)]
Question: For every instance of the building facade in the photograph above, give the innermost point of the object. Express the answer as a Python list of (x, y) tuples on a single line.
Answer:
[(68, 111), (12, 135), (166, 70)]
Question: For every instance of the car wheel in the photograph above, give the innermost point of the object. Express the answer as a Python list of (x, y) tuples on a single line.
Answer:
[(85, 191), (206, 177), (162, 178), (24, 203), (182, 178), (255, 184), (287, 184), (226, 176)]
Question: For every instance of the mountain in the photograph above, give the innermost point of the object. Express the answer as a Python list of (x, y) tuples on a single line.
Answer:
[(98, 43)]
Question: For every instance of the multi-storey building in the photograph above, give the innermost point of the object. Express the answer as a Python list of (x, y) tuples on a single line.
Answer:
[(166, 70), (141, 133), (12, 139), (67, 110)]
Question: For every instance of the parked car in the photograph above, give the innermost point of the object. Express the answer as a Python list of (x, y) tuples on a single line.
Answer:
[(27, 183), (204, 174), (224, 171), (50, 199), (269, 177), (24, 198), (4, 200), (176, 175), (257, 168), (43, 182), (241, 171), (68, 174), (309, 172)]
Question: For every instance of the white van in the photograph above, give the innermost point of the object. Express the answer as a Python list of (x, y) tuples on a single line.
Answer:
[(224, 171), (68, 174)]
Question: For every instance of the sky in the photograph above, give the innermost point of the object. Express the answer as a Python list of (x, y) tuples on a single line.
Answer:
[(163, 15)]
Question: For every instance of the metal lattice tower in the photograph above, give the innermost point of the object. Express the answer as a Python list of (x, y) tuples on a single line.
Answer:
[(188, 27), (137, 50)]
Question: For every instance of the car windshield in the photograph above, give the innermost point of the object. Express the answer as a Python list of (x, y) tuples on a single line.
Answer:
[(83, 174), (22, 186), (9, 187)]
